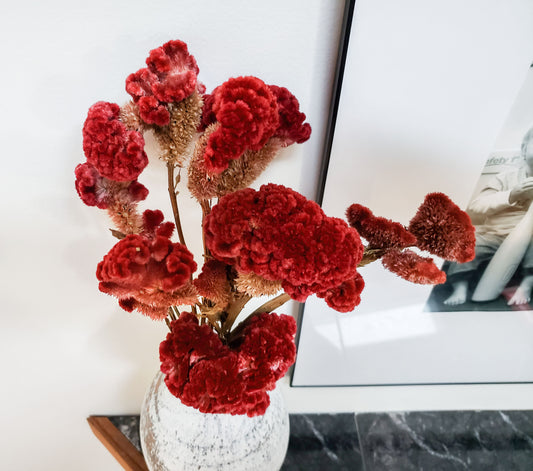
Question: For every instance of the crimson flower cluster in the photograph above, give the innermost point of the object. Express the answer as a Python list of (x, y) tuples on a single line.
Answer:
[(216, 378), (147, 271), (443, 229), (256, 242), (117, 153), (291, 127), (171, 76), (439, 227), (115, 158), (279, 235), (248, 113)]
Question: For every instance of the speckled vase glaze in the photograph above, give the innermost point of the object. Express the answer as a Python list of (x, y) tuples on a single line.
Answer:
[(175, 437)]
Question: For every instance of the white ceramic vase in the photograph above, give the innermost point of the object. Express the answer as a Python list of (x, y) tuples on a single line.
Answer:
[(175, 437)]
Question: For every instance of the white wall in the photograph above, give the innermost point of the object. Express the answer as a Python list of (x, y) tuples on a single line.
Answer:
[(67, 350)]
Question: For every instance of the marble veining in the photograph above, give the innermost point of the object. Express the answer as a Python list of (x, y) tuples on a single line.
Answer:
[(322, 442), (402, 441), (129, 427), (449, 440)]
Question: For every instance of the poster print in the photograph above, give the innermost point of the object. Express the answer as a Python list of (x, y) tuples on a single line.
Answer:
[(500, 278), (398, 137)]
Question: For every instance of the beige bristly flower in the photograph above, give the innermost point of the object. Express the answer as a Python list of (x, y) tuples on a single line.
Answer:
[(254, 285), (129, 115), (125, 217), (122, 210), (176, 138), (212, 283), (241, 172), (201, 185)]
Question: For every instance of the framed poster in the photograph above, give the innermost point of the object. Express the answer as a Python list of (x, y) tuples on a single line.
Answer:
[(434, 97)]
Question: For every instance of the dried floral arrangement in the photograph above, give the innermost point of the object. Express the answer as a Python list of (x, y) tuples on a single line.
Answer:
[(271, 241)]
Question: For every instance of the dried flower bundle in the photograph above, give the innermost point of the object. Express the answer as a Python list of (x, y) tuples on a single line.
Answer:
[(256, 242)]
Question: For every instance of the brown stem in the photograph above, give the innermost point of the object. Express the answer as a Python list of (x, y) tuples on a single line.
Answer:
[(371, 255), (174, 201), (274, 303), (235, 307), (206, 209), (269, 306), (171, 313)]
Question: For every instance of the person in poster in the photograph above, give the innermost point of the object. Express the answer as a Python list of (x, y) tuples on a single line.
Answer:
[(501, 205)]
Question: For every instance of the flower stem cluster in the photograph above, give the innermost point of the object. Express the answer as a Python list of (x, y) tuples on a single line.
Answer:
[(439, 227), (271, 241)]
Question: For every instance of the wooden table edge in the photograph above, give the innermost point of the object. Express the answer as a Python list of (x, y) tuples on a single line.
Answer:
[(118, 445)]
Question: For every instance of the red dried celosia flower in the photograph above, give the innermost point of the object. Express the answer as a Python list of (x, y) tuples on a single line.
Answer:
[(137, 191), (378, 231), (247, 113), (176, 71), (151, 110), (214, 385), (95, 190), (345, 297), (187, 342), (217, 378), (208, 115), (267, 349), (148, 274), (291, 127), (153, 224), (88, 182), (443, 229), (171, 76), (117, 153), (278, 234), (412, 267)]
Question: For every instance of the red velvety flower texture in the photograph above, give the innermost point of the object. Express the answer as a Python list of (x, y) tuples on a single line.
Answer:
[(247, 113), (346, 296), (95, 190), (171, 76), (216, 378), (117, 153), (412, 267), (279, 235), (148, 272), (443, 229), (378, 231), (88, 180), (291, 127)]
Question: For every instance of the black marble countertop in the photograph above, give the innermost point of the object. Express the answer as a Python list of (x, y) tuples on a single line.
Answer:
[(421, 441)]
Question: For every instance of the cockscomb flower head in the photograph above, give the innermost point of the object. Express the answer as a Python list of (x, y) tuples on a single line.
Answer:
[(247, 115), (412, 267), (88, 182), (378, 231), (278, 234), (148, 273), (291, 127), (116, 152), (443, 229), (233, 379), (346, 296), (171, 76), (95, 190)]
